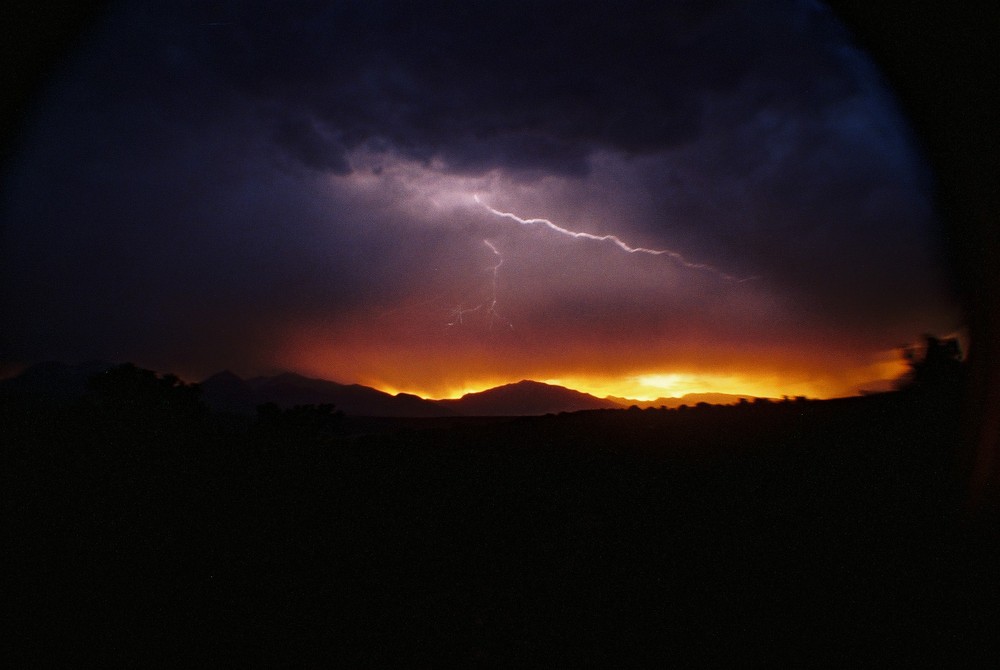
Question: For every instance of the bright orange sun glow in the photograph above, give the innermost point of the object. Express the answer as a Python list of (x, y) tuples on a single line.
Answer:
[(450, 374)]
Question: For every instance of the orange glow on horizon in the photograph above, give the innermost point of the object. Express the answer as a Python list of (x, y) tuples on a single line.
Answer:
[(651, 386), (449, 394), (436, 366)]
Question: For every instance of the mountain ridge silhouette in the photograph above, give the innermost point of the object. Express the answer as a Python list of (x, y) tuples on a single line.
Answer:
[(226, 391), (526, 398)]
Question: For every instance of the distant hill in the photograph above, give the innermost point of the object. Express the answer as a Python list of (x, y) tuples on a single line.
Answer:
[(526, 398), (689, 399), (227, 392)]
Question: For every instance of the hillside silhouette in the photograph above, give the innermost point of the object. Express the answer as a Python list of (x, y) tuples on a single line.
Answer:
[(226, 391), (146, 525), (525, 398)]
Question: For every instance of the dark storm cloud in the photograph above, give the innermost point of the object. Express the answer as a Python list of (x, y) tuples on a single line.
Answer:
[(820, 205), (313, 145), (537, 87), (521, 85), (152, 219)]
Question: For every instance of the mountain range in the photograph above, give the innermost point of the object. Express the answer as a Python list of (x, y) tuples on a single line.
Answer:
[(226, 391)]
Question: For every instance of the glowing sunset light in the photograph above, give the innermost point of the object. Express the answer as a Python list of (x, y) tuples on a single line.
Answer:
[(654, 386), (447, 372)]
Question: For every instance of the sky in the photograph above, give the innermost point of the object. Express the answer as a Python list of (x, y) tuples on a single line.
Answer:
[(641, 199)]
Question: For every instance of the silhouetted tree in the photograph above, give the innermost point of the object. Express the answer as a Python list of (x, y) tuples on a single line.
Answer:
[(935, 366), (129, 389), (137, 412)]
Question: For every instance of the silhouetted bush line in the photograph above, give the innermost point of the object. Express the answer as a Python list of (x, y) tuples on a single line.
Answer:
[(148, 528)]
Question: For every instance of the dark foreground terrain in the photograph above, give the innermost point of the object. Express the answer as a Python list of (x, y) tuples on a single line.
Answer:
[(142, 529)]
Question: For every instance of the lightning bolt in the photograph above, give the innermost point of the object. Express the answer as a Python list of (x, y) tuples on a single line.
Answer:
[(492, 309), (457, 313), (617, 241)]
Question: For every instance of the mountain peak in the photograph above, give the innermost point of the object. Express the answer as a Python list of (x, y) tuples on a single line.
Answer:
[(524, 398)]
